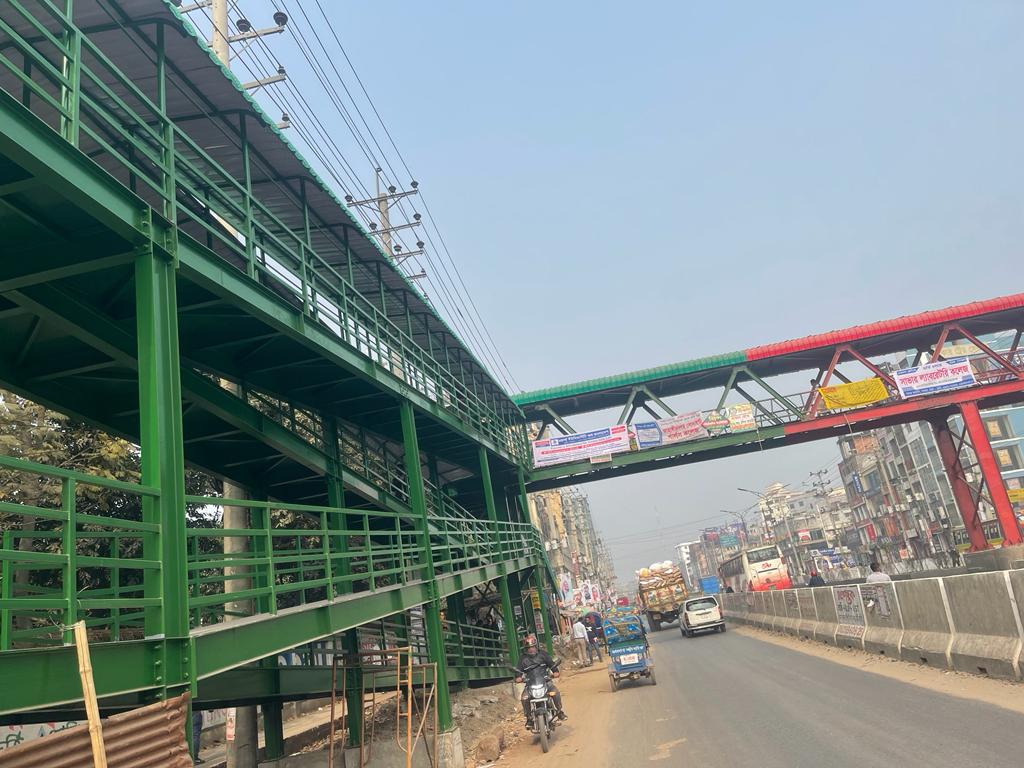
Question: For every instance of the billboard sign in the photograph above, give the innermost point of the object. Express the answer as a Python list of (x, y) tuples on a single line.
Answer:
[(940, 376), (582, 446)]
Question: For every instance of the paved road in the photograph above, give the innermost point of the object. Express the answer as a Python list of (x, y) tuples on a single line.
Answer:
[(732, 700)]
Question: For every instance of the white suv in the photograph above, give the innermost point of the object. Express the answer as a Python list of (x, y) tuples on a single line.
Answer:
[(699, 614)]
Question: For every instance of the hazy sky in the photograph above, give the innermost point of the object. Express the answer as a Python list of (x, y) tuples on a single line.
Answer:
[(624, 186)]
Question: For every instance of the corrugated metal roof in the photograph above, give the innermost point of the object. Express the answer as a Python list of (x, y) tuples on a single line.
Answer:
[(633, 378), (119, 29), (885, 327), (148, 737)]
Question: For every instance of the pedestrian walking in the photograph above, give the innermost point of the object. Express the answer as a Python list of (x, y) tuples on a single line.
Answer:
[(579, 640), (815, 580), (877, 574), (197, 734)]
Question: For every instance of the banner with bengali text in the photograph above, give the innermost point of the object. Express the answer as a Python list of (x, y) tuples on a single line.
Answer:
[(855, 393), (675, 429), (940, 376), (582, 446), (735, 418)]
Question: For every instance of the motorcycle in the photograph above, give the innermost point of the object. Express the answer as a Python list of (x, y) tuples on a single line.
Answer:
[(541, 704)]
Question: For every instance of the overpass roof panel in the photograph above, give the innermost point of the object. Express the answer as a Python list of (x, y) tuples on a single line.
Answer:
[(202, 98), (631, 379), (903, 326)]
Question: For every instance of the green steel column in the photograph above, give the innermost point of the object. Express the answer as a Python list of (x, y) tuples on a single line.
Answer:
[(506, 598), (432, 610), (456, 613), (343, 568), (524, 502), (273, 729), (538, 584), (163, 464), (524, 507)]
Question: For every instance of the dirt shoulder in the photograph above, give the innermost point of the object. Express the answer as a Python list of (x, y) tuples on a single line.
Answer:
[(582, 741), (1000, 693)]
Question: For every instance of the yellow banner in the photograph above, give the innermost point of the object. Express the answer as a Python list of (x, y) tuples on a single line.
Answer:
[(1016, 495), (855, 393)]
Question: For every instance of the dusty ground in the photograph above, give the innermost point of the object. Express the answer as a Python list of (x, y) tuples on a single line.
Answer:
[(1000, 693), (581, 741)]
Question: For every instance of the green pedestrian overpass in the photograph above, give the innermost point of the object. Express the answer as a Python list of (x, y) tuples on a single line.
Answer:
[(174, 273)]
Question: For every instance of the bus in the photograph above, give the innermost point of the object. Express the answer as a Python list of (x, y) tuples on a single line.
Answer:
[(756, 570)]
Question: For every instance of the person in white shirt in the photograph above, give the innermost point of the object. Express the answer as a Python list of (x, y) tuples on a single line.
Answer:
[(580, 641), (877, 574)]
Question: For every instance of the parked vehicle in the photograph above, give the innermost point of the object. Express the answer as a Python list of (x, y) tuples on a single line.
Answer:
[(701, 614), (661, 593), (756, 570), (541, 704), (628, 650)]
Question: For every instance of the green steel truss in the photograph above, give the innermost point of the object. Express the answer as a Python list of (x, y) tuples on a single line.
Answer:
[(140, 271)]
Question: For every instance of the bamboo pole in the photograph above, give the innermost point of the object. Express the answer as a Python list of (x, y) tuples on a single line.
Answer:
[(92, 708)]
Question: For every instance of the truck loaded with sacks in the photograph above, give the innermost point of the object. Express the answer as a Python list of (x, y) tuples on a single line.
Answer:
[(661, 593)]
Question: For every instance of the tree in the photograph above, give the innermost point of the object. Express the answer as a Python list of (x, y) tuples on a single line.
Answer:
[(33, 433)]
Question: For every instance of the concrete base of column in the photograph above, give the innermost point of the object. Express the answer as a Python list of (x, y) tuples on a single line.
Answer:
[(449, 749), (386, 754)]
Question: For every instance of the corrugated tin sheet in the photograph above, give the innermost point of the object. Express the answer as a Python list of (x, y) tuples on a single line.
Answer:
[(885, 327), (148, 737), (629, 379)]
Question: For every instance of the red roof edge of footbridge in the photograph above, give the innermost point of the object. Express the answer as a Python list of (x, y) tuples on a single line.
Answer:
[(883, 327)]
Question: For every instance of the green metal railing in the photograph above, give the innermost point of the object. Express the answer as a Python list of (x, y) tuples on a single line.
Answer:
[(466, 646), (54, 542), (70, 84), (61, 564)]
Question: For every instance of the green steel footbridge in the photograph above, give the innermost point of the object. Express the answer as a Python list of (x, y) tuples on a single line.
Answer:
[(175, 273)]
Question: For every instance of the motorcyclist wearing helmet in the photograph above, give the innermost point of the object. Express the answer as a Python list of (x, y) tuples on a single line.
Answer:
[(535, 656)]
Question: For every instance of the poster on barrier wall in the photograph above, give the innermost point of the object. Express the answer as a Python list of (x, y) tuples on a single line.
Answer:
[(849, 611)]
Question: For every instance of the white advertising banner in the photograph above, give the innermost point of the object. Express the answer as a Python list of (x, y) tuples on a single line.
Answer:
[(676, 429), (941, 376), (582, 446)]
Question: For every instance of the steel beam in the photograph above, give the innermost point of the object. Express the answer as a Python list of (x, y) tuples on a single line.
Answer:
[(963, 494), (989, 467)]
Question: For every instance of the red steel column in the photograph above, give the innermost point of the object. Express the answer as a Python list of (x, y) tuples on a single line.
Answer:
[(965, 500), (990, 472)]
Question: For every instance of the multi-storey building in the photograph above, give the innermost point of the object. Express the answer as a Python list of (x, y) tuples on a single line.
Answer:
[(575, 550)]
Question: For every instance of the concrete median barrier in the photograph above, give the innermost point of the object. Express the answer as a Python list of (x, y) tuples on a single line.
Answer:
[(986, 624), (791, 603), (808, 613), (927, 631), (765, 611), (778, 610), (883, 630), (825, 609)]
